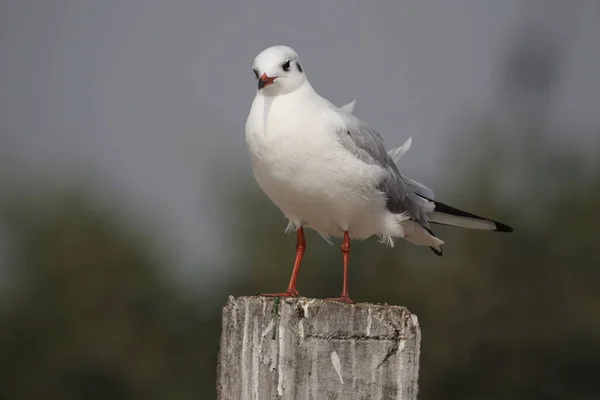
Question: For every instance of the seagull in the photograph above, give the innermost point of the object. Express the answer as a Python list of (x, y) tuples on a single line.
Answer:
[(329, 171)]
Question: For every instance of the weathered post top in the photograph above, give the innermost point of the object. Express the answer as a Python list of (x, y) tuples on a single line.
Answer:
[(299, 348)]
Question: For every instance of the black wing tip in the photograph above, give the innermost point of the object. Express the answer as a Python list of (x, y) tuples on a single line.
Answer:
[(502, 228), (446, 209), (437, 252)]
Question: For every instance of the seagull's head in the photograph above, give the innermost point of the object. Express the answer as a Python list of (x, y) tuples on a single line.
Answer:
[(278, 70)]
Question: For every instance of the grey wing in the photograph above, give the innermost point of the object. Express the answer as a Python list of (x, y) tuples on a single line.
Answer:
[(367, 145)]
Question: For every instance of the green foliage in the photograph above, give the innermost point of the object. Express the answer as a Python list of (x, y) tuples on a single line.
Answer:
[(90, 312)]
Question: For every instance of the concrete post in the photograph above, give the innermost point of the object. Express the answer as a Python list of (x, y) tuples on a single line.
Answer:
[(298, 348)]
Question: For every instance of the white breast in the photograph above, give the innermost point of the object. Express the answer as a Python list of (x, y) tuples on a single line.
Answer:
[(299, 163)]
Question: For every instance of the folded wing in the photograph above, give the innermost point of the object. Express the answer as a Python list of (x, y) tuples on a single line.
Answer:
[(367, 145)]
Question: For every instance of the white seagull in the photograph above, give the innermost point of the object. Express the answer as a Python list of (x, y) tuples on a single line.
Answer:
[(329, 171)]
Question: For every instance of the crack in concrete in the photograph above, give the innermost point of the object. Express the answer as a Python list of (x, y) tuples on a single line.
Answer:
[(380, 338)]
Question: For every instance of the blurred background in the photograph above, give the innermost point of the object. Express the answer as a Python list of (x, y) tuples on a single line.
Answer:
[(128, 209)]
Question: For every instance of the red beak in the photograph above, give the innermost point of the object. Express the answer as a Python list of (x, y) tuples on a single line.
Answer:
[(264, 80)]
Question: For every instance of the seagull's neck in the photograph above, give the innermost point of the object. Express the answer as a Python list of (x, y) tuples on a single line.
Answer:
[(304, 99), (306, 90), (303, 92)]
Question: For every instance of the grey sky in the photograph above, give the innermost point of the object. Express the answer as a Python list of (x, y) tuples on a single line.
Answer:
[(154, 94)]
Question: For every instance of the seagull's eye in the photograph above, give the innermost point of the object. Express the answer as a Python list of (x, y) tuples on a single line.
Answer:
[(255, 73), (286, 65)]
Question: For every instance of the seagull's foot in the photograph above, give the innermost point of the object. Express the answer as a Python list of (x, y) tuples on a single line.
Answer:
[(288, 293), (342, 299)]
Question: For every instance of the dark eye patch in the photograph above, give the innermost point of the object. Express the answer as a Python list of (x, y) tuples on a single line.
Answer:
[(286, 65), (255, 73), (299, 67)]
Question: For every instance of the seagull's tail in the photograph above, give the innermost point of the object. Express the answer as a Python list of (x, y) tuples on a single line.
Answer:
[(421, 236), (446, 215)]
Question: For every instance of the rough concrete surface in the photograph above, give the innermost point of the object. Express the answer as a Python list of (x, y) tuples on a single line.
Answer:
[(298, 348)]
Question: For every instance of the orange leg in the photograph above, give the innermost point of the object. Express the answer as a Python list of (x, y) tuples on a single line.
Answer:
[(345, 255), (300, 248)]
